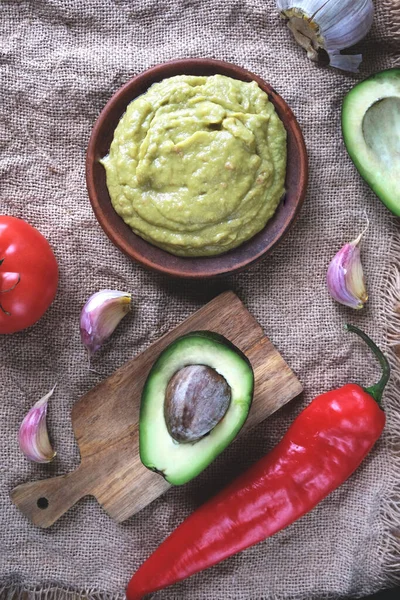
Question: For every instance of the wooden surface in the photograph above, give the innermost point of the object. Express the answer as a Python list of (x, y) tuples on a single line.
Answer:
[(105, 421), (155, 258)]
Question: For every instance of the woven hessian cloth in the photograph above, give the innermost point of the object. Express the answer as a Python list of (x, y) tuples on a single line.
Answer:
[(61, 60)]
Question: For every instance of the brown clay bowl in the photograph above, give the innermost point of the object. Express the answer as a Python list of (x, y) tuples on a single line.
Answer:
[(152, 257)]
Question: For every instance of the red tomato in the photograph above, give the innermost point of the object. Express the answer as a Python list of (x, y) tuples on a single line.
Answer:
[(28, 274)]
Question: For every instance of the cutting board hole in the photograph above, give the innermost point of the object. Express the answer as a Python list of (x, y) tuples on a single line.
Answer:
[(43, 503)]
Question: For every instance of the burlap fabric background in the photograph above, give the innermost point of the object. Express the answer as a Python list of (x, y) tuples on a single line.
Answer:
[(60, 62)]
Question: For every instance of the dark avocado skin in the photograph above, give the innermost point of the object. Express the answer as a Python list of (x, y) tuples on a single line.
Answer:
[(158, 367), (381, 77)]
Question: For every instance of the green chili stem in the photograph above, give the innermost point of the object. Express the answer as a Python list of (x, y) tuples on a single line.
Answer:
[(375, 390)]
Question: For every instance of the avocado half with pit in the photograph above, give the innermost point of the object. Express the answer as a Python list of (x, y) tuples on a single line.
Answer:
[(195, 400), (371, 132)]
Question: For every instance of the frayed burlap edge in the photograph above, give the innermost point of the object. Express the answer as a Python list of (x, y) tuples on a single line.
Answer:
[(392, 8), (15, 591), (390, 548), (54, 592)]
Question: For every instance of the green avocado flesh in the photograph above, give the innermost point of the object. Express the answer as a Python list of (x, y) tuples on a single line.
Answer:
[(371, 132), (179, 462)]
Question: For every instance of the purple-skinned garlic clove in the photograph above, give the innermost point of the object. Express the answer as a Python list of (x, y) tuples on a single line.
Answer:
[(345, 276), (33, 436), (101, 315)]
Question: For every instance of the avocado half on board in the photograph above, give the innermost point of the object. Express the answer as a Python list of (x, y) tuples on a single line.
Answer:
[(371, 132), (195, 400)]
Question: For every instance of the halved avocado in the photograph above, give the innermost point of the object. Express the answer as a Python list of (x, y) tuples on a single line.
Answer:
[(195, 400), (371, 132)]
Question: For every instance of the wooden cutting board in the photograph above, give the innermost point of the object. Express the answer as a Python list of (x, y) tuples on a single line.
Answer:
[(105, 421)]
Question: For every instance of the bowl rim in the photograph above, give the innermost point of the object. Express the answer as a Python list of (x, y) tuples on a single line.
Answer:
[(154, 74)]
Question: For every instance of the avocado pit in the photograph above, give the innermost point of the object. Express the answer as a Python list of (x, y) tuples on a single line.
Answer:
[(196, 399)]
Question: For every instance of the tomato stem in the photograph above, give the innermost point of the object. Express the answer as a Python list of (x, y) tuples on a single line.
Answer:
[(6, 312), (12, 287)]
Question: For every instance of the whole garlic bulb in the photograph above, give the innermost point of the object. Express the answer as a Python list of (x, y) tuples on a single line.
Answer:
[(330, 25)]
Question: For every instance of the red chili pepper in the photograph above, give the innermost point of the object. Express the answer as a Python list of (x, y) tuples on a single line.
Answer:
[(321, 449)]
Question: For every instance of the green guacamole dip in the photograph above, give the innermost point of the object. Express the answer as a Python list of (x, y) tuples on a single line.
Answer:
[(197, 164)]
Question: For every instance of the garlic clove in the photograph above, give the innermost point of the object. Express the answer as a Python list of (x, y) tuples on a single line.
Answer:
[(33, 437), (345, 276), (101, 315), (329, 25)]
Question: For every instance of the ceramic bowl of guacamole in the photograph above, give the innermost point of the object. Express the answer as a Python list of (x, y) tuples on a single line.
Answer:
[(196, 168)]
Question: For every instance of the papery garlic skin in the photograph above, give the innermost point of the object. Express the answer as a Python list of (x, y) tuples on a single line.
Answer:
[(101, 315), (33, 437), (330, 25), (345, 277)]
